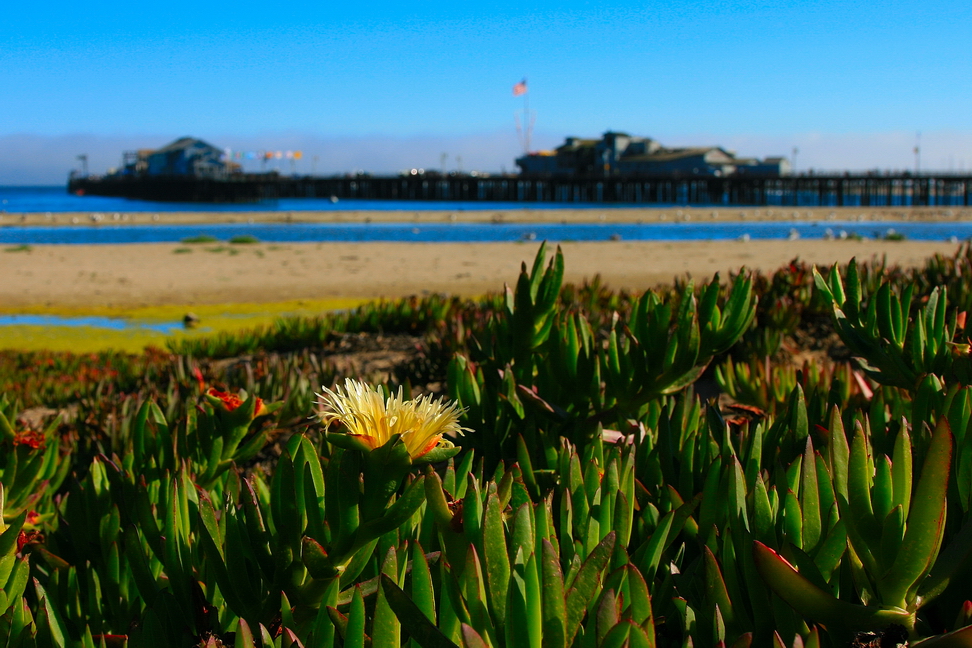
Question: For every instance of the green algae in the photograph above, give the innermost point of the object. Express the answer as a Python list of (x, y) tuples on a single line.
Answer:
[(213, 318)]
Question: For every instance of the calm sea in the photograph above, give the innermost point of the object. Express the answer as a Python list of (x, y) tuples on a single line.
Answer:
[(19, 200)]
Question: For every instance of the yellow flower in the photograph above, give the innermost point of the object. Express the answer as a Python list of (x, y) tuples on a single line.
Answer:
[(374, 419)]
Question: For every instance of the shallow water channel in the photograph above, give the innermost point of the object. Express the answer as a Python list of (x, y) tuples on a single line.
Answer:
[(112, 323), (481, 232)]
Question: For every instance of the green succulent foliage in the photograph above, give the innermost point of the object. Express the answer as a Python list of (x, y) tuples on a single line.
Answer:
[(15, 618), (33, 466), (894, 545), (514, 573), (599, 503), (769, 387), (898, 347), (666, 346), (542, 373)]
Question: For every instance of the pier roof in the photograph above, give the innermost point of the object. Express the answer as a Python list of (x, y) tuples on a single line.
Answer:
[(183, 143), (665, 155)]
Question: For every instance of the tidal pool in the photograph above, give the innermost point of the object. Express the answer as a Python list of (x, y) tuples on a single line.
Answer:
[(111, 323)]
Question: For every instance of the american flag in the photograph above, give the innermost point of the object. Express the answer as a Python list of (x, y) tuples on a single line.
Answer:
[(520, 88)]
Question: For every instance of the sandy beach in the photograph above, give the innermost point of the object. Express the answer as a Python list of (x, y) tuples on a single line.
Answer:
[(131, 276), (139, 275)]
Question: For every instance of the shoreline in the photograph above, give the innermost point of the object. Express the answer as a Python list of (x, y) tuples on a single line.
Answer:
[(124, 277), (598, 214)]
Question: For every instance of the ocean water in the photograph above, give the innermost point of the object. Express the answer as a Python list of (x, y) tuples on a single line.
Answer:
[(19, 200), (478, 232), (14, 200)]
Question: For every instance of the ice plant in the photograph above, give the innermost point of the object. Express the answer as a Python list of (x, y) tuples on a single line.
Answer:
[(382, 437), (34, 439), (25, 538), (231, 402), (373, 419)]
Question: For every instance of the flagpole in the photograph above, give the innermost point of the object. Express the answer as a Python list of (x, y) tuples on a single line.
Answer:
[(526, 120), (524, 130)]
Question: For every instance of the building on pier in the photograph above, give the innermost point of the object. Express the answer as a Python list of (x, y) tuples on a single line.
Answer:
[(770, 167), (620, 154), (185, 157)]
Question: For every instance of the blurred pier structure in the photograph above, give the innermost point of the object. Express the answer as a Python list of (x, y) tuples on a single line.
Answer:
[(804, 190)]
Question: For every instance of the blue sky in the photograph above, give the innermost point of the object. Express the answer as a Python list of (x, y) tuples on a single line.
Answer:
[(850, 84)]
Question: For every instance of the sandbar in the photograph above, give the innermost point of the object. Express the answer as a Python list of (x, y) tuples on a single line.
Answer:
[(589, 214)]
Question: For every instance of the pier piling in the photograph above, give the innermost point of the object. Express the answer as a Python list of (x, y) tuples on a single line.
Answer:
[(806, 190)]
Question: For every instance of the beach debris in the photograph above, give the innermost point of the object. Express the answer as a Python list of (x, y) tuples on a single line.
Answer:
[(793, 235), (190, 320), (891, 637), (616, 436)]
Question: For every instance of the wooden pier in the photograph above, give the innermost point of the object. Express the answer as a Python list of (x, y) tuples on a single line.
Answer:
[(809, 190)]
